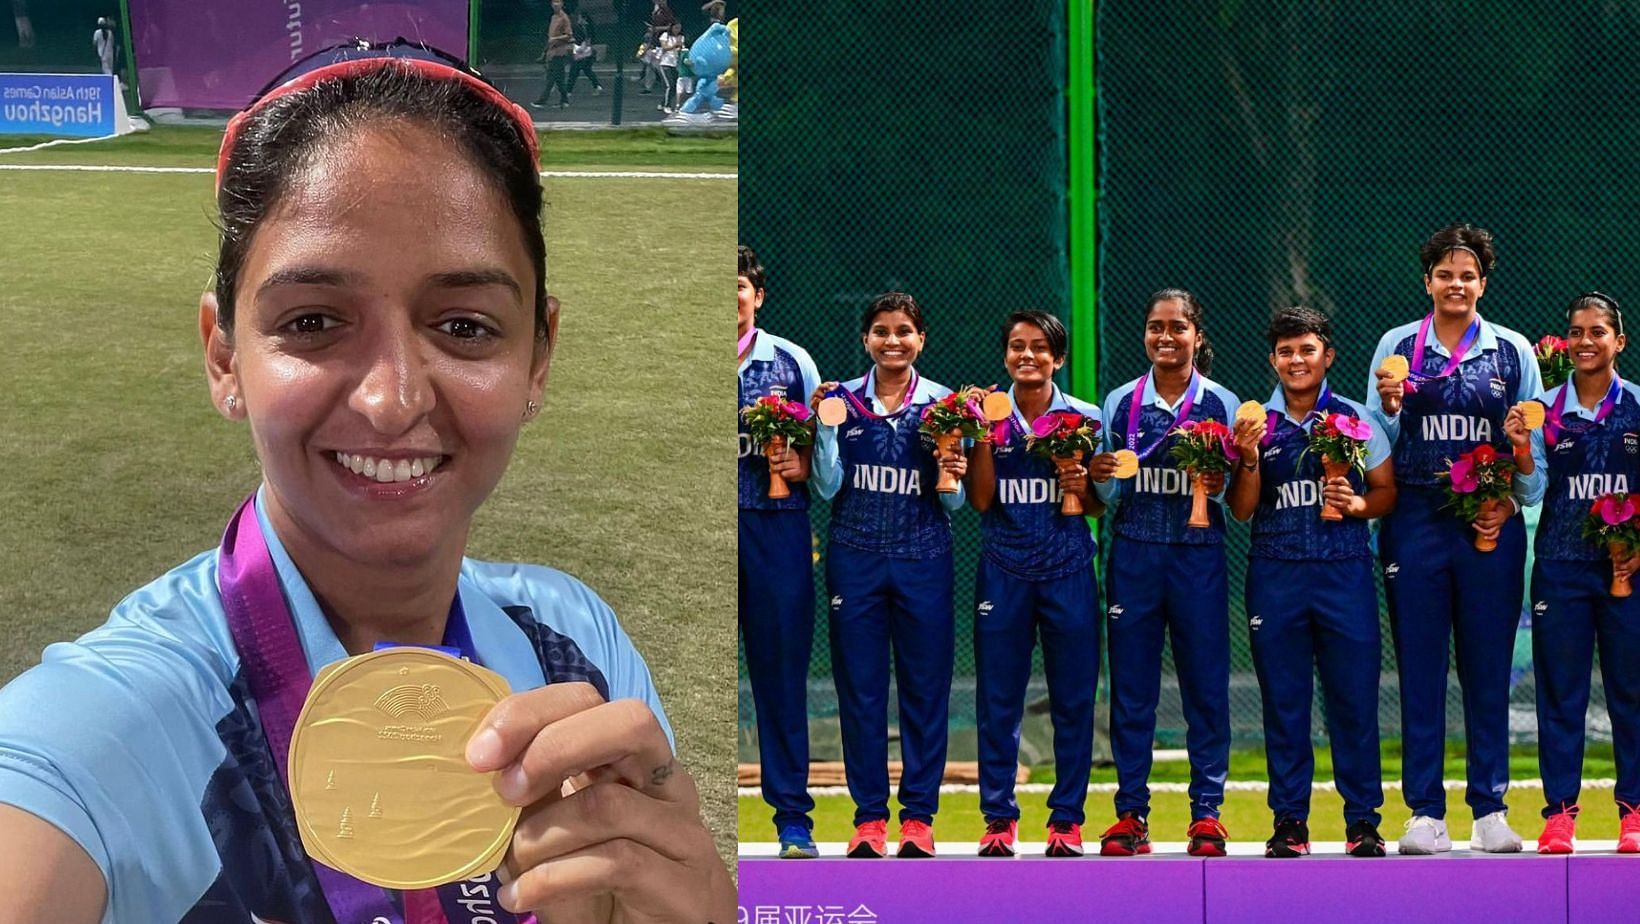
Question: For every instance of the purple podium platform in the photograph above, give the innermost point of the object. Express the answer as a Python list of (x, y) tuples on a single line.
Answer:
[(1527, 888)]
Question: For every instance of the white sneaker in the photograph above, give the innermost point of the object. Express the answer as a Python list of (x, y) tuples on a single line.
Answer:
[(1492, 834), (1425, 835)]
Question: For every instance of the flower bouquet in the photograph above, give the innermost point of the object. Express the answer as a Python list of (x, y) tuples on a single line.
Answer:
[(1341, 442), (1064, 437), (1554, 359), (1614, 522), (1477, 482), (777, 425), (1203, 446), (951, 419)]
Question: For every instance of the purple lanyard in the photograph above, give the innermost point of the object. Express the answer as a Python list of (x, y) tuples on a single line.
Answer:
[(746, 341), (860, 405), (1555, 420), (1415, 375), (264, 632), (1134, 409), (1319, 412)]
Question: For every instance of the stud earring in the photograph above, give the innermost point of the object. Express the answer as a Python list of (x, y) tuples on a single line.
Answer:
[(530, 408), (230, 403)]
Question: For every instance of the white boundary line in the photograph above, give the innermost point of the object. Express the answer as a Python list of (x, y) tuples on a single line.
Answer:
[(553, 174), (54, 142), (756, 792)]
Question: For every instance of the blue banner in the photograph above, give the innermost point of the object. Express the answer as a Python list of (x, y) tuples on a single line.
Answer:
[(80, 105)]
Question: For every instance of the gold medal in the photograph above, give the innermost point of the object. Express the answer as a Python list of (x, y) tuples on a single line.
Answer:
[(1533, 411), (833, 411), (997, 406), (1250, 410), (1127, 463), (379, 778), (1396, 365)]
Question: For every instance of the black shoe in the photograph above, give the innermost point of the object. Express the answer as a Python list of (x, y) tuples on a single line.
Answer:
[(1292, 839), (1361, 839)]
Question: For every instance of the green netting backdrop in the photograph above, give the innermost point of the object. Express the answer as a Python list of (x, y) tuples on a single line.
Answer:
[(872, 167), (1258, 153)]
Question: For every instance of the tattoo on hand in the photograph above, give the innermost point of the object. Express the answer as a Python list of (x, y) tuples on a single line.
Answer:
[(661, 774)]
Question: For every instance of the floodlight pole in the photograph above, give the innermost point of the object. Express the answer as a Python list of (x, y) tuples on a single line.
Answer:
[(133, 100), (472, 34)]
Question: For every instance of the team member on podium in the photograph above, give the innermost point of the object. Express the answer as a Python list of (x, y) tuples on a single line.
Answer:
[(1312, 599), (1035, 577), (1459, 376), (1167, 578), (889, 576)]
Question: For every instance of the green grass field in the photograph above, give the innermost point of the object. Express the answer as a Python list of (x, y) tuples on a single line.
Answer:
[(117, 468), (1246, 814)]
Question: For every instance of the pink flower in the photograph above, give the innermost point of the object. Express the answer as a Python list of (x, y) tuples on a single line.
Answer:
[(974, 410), (1044, 425), (798, 410), (1354, 427), (1613, 512), (1464, 479)]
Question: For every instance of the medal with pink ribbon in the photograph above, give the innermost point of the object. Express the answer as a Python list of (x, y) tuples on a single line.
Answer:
[(1555, 420), (1135, 406), (1416, 376)]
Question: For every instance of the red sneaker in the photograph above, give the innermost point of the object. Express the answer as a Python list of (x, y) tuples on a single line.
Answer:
[(1207, 837), (998, 840), (1558, 831), (1628, 839), (870, 839), (1064, 839), (916, 839), (1130, 835)]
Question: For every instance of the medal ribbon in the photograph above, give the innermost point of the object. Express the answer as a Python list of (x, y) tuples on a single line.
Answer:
[(1555, 421), (1415, 375), (1002, 430), (264, 632), (1319, 412), (1134, 410), (746, 341), (860, 405)]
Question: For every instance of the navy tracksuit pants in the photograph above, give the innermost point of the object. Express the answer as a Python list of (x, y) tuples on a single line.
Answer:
[(1156, 590), (879, 604), (777, 628), (1572, 609), (1442, 590), (1310, 616), (1011, 612)]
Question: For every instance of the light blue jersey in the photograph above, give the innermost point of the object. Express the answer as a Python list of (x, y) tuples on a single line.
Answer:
[(1154, 505), (774, 366), (881, 473), (141, 740), (1588, 460), (1447, 417)]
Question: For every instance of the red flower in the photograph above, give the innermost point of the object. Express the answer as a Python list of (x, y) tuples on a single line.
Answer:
[(1484, 454)]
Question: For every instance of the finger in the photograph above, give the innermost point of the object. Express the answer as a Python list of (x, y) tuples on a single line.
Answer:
[(634, 873), (512, 724), (606, 811), (624, 735)]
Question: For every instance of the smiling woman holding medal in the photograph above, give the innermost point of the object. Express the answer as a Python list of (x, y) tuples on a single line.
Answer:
[(1588, 449), (1444, 386), (1166, 578), (1313, 473), (889, 574), (379, 320), (1035, 575)]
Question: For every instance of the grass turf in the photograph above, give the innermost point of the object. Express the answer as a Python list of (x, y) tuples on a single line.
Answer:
[(117, 468), (196, 146), (1246, 814)]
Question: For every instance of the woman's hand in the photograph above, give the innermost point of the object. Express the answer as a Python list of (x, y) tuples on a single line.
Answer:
[(820, 394), (1514, 426), (955, 461), (611, 827), (1491, 519), (1073, 479), (1624, 568), (1339, 494), (788, 464), (1248, 434), (1213, 482), (1102, 467), (1390, 391)]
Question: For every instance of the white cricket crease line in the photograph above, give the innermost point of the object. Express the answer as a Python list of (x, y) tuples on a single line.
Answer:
[(53, 143), (551, 174), (756, 792)]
